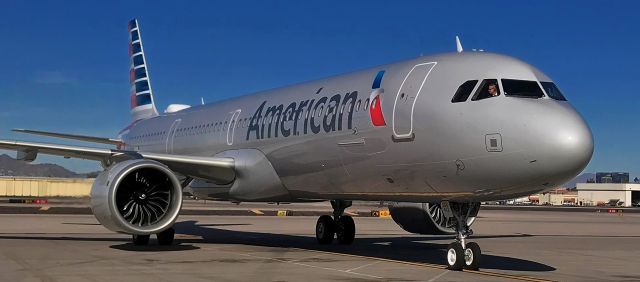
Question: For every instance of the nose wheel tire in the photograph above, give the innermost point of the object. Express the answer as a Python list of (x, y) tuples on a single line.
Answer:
[(346, 230), (455, 256), (472, 256), (165, 238), (325, 229), (140, 240), (459, 258)]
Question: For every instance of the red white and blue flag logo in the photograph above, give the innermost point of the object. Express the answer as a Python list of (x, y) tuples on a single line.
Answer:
[(375, 109)]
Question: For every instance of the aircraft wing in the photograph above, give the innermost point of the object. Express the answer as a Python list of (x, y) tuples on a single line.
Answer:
[(92, 139), (221, 170)]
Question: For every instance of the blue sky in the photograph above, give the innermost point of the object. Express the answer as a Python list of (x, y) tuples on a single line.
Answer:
[(64, 67)]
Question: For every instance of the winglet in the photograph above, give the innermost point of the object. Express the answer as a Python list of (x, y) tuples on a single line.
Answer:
[(458, 45)]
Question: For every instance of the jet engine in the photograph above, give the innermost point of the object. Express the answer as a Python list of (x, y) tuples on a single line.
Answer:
[(136, 197), (425, 218)]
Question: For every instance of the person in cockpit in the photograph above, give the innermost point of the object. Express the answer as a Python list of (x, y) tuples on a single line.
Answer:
[(493, 90)]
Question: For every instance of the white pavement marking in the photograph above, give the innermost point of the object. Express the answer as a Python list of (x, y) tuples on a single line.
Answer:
[(309, 257), (362, 266), (383, 243), (312, 266), (438, 276)]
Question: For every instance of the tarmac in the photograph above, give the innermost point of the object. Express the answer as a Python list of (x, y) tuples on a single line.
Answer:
[(517, 245), (201, 207)]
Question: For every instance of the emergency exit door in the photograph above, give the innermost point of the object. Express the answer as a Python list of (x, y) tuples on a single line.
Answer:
[(171, 134)]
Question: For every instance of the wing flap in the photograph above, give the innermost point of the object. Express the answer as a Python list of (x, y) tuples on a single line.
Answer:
[(220, 170)]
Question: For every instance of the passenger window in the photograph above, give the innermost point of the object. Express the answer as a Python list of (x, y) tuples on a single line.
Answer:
[(464, 91), (488, 89), (552, 91), (522, 88)]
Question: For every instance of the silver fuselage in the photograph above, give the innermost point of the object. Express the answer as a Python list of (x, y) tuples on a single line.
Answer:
[(323, 146)]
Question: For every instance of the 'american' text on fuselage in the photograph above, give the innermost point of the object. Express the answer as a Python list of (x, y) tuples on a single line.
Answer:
[(285, 121)]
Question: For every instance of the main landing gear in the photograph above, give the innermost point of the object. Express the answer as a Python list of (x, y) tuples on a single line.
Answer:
[(341, 226), (462, 254), (165, 238)]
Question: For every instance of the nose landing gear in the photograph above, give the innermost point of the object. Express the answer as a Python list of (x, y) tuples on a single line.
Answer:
[(462, 254), (341, 226)]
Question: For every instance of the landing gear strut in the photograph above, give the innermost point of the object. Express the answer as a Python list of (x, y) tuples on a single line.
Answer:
[(341, 226), (462, 254)]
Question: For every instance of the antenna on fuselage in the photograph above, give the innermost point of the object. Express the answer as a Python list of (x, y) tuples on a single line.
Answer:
[(202, 100), (458, 45)]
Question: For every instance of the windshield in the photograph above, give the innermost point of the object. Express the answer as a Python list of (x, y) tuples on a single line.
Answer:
[(464, 91), (522, 88), (487, 89), (552, 90)]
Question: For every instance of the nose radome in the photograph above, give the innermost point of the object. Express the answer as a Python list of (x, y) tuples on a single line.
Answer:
[(577, 143), (573, 143)]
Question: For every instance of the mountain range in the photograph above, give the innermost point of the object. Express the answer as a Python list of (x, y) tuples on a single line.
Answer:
[(12, 167)]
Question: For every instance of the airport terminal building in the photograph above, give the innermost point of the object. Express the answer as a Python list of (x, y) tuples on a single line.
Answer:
[(608, 194)]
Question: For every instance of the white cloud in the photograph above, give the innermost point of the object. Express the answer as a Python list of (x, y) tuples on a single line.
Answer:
[(53, 77)]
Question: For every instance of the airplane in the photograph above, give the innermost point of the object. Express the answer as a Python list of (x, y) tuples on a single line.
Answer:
[(434, 135)]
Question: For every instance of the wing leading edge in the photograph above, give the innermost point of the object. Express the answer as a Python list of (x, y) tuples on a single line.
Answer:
[(92, 139), (221, 170)]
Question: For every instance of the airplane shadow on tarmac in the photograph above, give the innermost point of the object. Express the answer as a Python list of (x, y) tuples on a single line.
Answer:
[(407, 249)]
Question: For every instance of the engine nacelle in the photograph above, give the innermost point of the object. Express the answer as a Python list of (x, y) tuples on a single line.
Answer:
[(425, 218), (136, 197)]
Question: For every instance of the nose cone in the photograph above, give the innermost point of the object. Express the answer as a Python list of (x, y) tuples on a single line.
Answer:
[(570, 144)]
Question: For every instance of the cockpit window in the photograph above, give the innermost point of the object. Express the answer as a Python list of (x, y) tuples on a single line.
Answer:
[(464, 91), (522, 88), (552, 91), (488, 89)]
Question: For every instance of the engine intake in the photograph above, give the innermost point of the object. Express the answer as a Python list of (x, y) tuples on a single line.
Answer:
[(425, 218), (136, 197)]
